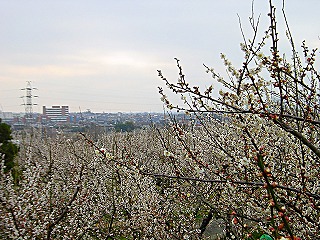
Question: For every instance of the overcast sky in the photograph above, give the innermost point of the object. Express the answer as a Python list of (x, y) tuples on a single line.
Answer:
[(104, 55)]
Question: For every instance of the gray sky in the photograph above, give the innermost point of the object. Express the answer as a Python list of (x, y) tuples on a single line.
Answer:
[(103, 55)]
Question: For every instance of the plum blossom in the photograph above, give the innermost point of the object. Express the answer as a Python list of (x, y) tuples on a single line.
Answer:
[(168, 154)]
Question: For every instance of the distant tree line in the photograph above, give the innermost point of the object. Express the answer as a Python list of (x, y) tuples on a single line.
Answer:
[(127, 126)]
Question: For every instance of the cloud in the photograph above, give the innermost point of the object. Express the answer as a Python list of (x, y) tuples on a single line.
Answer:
[(109, 51)]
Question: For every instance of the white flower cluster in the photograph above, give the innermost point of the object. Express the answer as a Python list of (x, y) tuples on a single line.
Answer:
[(105, 153), (168, 154)]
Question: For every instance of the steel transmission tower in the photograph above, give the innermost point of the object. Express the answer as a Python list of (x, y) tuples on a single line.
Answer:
[(28, 103)]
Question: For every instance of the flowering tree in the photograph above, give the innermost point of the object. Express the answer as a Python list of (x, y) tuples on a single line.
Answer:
[(96, 190), (261, 157), (248, 160)]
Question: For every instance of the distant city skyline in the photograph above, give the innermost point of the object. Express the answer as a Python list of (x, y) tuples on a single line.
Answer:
[(103, 55)]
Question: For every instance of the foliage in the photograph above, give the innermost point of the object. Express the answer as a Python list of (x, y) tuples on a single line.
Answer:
[(124, 127), (8, 150), (5, 132)]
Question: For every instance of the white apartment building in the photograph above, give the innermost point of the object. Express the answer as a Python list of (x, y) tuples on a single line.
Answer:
[(56, 113)]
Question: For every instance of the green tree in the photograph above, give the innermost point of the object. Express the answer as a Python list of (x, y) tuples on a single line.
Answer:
[(5, 132), (8, 150), (124, 127)]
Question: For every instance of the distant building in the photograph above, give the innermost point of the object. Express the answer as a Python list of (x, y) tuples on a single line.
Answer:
[(56, 113), (6, 115)]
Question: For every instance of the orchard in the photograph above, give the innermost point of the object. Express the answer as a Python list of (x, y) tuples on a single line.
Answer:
[(245, 167)]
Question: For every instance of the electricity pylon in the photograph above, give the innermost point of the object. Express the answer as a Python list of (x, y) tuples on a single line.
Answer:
[(28, 103)]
